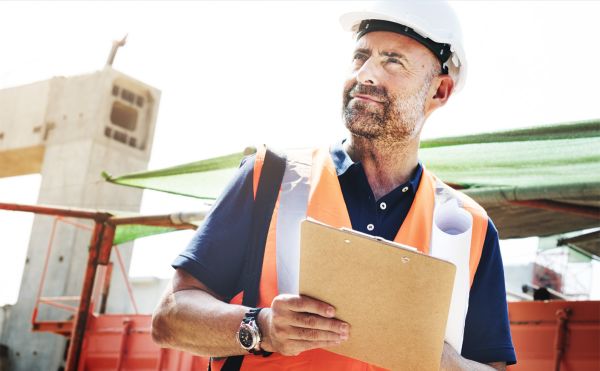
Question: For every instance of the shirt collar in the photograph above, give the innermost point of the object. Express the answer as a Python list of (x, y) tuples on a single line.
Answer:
[(343, 162)]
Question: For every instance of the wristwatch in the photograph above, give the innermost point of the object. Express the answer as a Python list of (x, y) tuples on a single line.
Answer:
[(248, 335)]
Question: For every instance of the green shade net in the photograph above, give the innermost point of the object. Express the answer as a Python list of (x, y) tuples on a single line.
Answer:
[(130, 232), (557, 163), (201, 179), (527, 164)]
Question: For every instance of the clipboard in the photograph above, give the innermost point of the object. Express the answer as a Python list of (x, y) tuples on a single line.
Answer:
[(395, 298)]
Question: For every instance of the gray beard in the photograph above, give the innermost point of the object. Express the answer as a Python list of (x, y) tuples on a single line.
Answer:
[(397, 120)]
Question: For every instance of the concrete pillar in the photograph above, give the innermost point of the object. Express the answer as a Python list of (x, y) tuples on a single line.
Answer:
[(87, 124)]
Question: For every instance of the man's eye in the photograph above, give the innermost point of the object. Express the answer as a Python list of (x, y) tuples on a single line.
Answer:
[(394, 60), (359, 57)]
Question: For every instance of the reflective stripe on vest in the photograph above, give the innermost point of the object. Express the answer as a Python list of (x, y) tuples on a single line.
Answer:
[(310, 188)]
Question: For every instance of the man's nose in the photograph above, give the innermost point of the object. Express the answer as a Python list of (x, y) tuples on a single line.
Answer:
[(367, 74)]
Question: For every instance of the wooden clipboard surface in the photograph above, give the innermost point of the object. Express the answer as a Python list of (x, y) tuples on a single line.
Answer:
[(395, 299)]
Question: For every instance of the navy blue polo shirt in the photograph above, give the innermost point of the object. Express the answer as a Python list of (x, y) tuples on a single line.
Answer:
[(215, 255)]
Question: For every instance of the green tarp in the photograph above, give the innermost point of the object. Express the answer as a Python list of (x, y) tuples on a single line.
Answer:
[(201, 179), (130, 232), (537, 163), (559, 164)]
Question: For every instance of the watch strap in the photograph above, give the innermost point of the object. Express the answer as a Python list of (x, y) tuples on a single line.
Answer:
[(252, 316)]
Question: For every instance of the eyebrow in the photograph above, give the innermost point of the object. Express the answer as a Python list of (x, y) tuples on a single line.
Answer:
[(362, 51), (385, 53), (393, 54)]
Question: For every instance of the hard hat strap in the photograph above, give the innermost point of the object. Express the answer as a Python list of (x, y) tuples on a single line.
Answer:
[(441, 51)]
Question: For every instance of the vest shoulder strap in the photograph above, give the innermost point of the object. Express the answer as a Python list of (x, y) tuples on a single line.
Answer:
[(266, 196), (272, 167)]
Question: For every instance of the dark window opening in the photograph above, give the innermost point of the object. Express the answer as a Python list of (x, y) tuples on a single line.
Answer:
[(128, 96), (120, 136), (132, 142), (115, 90), (139, 101), (107, 131), (124, 116)]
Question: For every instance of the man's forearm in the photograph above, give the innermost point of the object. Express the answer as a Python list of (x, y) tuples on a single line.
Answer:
[(197, 322), (192, 318), (452, 361)]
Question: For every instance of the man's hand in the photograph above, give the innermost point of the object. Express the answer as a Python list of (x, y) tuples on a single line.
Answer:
[(297, 323)]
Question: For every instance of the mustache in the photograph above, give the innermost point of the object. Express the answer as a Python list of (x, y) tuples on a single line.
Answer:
[(377, 92)]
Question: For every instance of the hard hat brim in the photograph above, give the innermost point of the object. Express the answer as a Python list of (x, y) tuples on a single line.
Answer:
[(351, 21)]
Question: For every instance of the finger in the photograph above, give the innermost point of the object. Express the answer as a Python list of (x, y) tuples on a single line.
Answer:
[(313, 321), (302, 333), (310, 305)]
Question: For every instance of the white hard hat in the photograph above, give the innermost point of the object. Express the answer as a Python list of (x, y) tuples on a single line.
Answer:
[(430, 20)]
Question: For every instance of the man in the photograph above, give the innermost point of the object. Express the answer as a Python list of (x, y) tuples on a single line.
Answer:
[(407, 62)]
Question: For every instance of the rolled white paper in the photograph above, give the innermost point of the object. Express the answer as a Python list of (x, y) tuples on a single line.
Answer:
[(451, 241)]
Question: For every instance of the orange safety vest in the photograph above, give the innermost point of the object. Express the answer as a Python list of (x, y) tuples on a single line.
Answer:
[(313, 174)]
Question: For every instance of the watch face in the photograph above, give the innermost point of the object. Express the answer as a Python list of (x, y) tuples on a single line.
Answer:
[(246, 337)]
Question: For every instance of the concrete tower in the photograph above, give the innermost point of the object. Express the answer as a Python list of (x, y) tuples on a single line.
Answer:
[(70, 129)]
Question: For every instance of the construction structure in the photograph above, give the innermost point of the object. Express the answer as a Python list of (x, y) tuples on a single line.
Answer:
[(69, 130)]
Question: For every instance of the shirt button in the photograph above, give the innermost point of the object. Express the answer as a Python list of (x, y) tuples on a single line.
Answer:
[(382, 206), (404, 189), (370, 227)]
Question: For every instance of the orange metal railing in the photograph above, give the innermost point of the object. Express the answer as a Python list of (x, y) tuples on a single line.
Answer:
[(92, 336)]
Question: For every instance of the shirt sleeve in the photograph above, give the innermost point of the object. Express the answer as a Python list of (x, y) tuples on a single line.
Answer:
[(487, 330), (215, 255)]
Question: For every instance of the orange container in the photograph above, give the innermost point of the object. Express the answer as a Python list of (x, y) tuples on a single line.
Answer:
[(123, 342), (556, 335)]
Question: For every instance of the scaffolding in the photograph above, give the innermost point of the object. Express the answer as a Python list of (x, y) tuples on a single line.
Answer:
[(97, 340)]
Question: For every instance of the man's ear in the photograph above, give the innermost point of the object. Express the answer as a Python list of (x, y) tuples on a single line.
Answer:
[(441, 89)]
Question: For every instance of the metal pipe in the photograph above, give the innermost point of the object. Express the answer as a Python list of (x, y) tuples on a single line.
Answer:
[(126, 279), (54, 210), (123, 348), (44, 271), (562, 319), (70, 308), (188, 217), (594, 235), (60, 298), (105, 287), (83, 311), (107, 244), (161, 356), (74, 223), (175, 220)]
